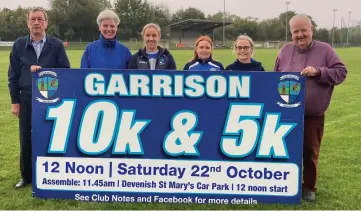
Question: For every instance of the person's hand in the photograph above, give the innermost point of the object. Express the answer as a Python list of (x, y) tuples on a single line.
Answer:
[(15, 109), (34, 68), (310, 71)]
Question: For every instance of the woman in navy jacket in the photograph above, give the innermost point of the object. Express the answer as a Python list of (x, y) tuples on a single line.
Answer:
[(152, 56), (244, 49), (202, 58)]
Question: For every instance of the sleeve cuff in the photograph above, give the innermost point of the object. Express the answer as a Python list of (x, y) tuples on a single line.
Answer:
[(15, 100), (319, 76)]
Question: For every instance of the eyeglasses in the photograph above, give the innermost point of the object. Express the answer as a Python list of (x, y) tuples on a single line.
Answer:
[(246, 48), (33, 20)]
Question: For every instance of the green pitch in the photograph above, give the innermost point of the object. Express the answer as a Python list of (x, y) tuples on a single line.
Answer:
[(339, 185)]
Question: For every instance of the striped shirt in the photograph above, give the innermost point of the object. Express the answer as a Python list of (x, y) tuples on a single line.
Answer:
[(38, 46), (201, 65), (152, 59)]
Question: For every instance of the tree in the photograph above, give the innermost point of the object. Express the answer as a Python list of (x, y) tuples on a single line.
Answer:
[(134, 17), (284, 19), (218, 33), (160, 14), (270, 29), (53, 30), (4, 29), (355, 35), (219, 17), (189, 13), (15, 23), (337, 36), (69, 34), (243, 26), (322, 34), (262, 31), (289, 15), (80, 15), (76, 19)]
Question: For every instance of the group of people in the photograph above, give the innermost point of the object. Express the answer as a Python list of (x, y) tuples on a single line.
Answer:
[(107, 52), (314, 59)]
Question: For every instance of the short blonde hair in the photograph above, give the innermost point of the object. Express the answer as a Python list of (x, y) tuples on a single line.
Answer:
[(108, 14), (244, 37), (152, 25)]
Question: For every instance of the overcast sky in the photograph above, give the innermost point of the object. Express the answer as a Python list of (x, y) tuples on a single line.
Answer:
[(320, 10)]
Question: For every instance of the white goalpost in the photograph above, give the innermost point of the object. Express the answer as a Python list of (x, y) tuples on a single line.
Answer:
[(133, 42)]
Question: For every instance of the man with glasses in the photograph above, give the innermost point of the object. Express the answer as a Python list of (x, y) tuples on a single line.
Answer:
[(29, 54)]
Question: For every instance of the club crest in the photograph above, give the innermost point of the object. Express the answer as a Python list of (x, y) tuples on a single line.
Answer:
[(289, 88), (47, 85)]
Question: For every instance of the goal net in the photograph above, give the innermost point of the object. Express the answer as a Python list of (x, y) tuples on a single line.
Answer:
[(133, 42)]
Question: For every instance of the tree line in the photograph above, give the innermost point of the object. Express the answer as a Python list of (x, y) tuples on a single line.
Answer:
[(75, 20)]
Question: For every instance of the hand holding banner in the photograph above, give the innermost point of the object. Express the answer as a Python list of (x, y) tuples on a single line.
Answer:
[(168, 136)]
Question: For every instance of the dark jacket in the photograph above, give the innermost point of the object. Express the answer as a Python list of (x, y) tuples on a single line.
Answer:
[(23, 55), (140, 60), (253, 66), (208, 65), (103, 53)]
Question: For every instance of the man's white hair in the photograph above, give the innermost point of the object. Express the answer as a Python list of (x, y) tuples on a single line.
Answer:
[(300, 16), (108, 14)]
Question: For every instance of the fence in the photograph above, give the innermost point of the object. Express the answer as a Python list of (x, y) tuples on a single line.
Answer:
[(135, 44)]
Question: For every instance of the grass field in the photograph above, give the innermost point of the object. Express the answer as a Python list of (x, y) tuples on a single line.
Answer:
[(339, 184)]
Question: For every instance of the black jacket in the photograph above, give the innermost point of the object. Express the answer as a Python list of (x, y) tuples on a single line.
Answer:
[(23, 55), (238, 66), (140, 60)]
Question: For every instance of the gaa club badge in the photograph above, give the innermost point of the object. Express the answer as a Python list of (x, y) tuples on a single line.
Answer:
[(47, 85), (289, 88)]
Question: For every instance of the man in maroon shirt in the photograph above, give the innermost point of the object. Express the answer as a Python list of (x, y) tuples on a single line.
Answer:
[(323, 68)]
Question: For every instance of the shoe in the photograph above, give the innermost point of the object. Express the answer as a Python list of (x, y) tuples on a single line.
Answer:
[(21, 183), (309, 196)]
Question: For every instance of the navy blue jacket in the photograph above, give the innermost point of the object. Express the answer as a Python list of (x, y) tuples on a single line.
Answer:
[(253, 66), (140, 60), (208, 65), (23, 56), (109, 54)]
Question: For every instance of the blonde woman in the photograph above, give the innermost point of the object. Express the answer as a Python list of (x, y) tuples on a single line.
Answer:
[(244, 49), (152, 56)]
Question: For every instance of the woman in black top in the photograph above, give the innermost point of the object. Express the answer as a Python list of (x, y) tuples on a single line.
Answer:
[(152, 56), (244, 49)]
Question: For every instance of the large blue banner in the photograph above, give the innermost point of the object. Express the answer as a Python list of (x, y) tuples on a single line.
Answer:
[(167, 136)]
